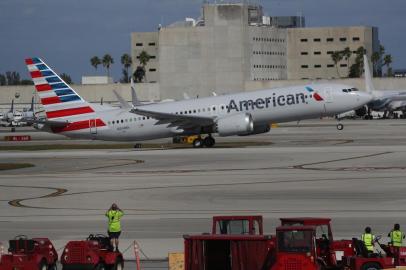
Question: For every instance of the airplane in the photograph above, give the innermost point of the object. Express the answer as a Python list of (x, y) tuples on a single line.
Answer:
[(14, 118), (246, 113), (383, 101)]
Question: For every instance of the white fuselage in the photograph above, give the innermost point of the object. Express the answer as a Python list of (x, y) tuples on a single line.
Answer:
[(265, 107)]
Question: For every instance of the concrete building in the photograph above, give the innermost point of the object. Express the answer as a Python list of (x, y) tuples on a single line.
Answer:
[(310, 49), (148, 42), (97, 80), (232, 44)]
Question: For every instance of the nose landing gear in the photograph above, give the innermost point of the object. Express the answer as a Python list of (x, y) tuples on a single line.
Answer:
[(340, 126)]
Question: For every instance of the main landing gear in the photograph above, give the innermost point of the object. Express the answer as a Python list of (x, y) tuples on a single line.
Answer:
[(209, 141)]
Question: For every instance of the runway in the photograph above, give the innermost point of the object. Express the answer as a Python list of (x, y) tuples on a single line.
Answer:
[(355, 176)]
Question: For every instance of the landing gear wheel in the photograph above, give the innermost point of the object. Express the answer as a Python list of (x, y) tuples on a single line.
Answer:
[(100, 266), (198, 143), (209, 141), (52, 267), (340, 126), (118, 265), (42, 266), (371, 266)]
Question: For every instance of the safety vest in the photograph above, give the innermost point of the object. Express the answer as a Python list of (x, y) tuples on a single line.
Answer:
[(114, 217), (368, 239), (396, 238)]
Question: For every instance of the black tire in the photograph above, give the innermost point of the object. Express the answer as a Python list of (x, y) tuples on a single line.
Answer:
[(43, 265), (198, 143), (100, 266), (118, 265), (209, 141), (53, 267), (340, 126), (371, 266)]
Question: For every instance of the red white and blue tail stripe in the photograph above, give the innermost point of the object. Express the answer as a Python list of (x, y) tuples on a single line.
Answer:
[(60, 101)]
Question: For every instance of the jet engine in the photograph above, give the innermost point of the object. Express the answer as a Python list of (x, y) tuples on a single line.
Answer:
[(360, 112), (258, 129), (236, 124)]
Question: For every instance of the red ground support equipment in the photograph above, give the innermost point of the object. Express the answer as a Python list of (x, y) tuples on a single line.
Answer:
[(95, 252), (29, 254)]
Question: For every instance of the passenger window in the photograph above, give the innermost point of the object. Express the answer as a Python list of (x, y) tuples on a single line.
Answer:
[(194, 111), (122, 121), (208, 109)]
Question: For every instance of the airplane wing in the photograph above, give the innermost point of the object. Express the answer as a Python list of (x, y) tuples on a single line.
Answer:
[(45, 122), (176, 120)]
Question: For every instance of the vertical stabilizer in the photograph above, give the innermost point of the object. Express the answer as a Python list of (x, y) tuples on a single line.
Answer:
[(369, 87)]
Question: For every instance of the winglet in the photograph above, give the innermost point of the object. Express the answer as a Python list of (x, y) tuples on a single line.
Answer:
[(369, 87), (134, 99), (123, 104)]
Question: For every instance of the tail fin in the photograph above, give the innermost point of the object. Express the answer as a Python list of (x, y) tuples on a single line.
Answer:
[(12, 106), (369, 87), (32, 105), (60, 101)]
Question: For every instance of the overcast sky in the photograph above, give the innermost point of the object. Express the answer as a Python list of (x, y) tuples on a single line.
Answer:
[(67, 33)]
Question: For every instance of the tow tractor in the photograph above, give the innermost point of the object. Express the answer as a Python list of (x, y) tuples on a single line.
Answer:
[(29, 254), (96, 252)]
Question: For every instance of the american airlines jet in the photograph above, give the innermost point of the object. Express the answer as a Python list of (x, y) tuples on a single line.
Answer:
[(236, 114)]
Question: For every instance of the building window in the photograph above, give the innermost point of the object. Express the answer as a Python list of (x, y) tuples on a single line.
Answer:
[(317, 66), (152, 57), (343, 39), (343, 65), (151, 44), (304, 66), (316, 40), (330, 52), (317, 53), (304, 53), (330, 39), (330, 65), (138, 44), (355, 39), (152, 69), (303, 40)]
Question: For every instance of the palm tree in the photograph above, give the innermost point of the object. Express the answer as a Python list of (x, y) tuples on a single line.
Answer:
[(126, 62), (337, 56), (95, 61), (387, 60), (375, 57), (107, 61), (144, 58), (346, 53)]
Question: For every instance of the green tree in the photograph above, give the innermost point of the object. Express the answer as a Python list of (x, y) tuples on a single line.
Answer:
[(375, 57), (13, 78), (139, 74), (126, 61), (356, 69), (26, 82), (95, 61), (3, 80), (337, 56), (66, 78), (347, 55), (387, 61), (144, 58), (107, 61)]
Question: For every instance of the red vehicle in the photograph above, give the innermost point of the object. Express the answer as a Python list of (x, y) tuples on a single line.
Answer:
[(95, 252), (334, 250), (252, 225), (29, 254)]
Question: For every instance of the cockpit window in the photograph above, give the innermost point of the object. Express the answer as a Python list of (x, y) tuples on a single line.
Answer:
[(354, 89), (345, 90)]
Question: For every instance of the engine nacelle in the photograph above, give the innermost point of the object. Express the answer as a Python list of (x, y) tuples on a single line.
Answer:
[(258, 129), (360, 112), (236, 124)]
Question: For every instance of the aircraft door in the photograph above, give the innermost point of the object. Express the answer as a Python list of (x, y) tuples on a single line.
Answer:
[(92, 126), (328, 94)]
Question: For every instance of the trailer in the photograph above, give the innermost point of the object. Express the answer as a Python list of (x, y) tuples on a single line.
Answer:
[(29, 254)]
